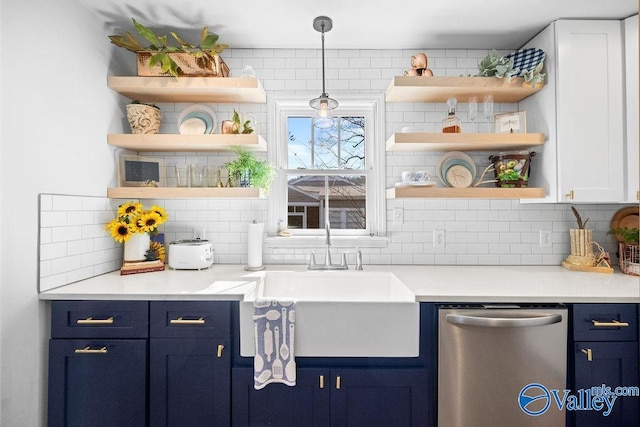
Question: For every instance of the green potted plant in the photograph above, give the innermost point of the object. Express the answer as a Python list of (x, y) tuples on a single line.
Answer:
[(248, 171), (181, 58), (143, 117)]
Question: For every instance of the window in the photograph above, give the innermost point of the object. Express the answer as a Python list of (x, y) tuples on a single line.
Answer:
[(333, 174)]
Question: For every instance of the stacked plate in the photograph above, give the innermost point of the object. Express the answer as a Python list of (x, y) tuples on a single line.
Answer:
[(197, 119), (456, 169)]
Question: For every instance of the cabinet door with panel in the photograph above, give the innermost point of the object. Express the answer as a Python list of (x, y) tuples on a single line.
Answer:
[(306, 404), (98, 363), (581, 109), (631, 93), (382, 397), (189, 363), (605, 352)]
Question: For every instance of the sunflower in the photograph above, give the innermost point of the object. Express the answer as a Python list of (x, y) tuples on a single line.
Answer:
[(129, 209), (120, 230), (161, 212), (157, 251), (148, 221)]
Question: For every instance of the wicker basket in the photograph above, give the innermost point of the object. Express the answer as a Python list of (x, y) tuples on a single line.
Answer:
[(629, 257)]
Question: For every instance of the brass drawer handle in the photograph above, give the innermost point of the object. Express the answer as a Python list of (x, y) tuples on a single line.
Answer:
[(220, 348), (181, 321), (570, 194), (89, 350), (589, 354), (92, 321), (338, 382), (321, 381), (612, 324)]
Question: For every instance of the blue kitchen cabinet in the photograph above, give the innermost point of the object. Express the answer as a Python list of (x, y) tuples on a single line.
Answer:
[(605, 352), (371, 397), (189, 363), (304, 405), (98, 364)]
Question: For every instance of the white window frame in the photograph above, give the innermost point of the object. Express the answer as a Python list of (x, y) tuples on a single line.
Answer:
[(368, 105)]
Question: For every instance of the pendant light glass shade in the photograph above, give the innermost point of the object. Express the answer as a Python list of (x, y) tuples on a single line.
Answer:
[(323, 104)]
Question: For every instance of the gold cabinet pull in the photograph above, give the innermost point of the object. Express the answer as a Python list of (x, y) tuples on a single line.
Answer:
[(589, 354), (220, 348), (321, 381), (570, 194), (338, 382), (181, 321), (612, 324), (89, 350), (91, 321)]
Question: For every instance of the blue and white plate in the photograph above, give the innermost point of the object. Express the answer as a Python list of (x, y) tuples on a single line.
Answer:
[(197, 119), (526, 60)]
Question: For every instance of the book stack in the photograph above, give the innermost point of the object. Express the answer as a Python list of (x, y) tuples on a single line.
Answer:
[(141, 267)]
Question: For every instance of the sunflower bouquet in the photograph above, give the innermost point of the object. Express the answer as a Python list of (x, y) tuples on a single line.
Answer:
[(133, 218)]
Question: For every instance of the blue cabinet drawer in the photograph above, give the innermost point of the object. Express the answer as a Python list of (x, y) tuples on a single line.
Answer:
[(99, 319), (190, 319), (605, 322)]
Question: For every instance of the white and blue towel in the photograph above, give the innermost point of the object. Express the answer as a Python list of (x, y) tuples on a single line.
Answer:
[(274, 329)]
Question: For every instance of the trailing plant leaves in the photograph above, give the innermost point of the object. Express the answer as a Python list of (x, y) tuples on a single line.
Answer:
[(209, 42), (125, 43), (184, 44), (146, 33)]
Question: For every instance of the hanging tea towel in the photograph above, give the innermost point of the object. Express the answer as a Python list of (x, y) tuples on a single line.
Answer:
[(274, 329)]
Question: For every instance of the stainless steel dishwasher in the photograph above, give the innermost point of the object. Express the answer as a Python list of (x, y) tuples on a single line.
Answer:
[(488, 356)]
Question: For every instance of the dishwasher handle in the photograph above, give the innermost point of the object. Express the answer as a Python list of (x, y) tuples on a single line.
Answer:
[(504, 319)]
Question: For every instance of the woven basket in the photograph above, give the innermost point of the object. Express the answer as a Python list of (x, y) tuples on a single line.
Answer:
[(629, 257)]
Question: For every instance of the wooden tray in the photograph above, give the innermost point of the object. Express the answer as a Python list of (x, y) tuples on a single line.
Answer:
[(595, 269)]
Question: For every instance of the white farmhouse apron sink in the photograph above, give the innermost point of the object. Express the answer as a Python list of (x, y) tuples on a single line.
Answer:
[(341, 313)]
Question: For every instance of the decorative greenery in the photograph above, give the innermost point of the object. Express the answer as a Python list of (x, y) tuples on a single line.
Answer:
[(581, 223), (628, 235), (261, 171), (494, 66), (203, 52), (239, 126), (132, 218)]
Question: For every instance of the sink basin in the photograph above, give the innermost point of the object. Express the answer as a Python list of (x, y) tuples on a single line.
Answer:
[(341, 313)]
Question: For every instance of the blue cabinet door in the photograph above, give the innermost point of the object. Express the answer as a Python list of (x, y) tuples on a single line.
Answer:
[(190, 382), (612, 364), (278, 405), (97, 383), (379, 397)]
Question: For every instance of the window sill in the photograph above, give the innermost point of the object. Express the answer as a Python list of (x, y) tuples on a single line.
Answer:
[(318, 241)]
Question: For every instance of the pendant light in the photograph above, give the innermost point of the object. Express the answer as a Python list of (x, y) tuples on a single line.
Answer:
[(323, 104)]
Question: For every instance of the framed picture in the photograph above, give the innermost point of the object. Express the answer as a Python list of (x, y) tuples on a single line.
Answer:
[(515, 122), (137, 171)]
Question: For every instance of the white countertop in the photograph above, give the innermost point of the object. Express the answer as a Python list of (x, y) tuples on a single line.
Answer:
[(523, 284)]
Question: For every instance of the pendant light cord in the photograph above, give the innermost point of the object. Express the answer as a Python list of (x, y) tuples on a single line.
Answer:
[(324, 92)]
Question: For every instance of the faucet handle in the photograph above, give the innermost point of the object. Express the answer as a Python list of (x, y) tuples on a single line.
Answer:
[(312, 260), (358, 259)]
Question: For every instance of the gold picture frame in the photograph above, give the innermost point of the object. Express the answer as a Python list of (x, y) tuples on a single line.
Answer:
[(513, 122)]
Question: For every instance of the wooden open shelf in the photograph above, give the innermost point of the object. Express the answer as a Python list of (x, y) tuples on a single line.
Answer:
[(183, 193), (439, 89), (177, 142), (189, 89), (465, 193), (422, 141)]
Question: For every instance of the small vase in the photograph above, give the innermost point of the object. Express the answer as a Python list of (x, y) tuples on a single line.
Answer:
[(136, 247), (143, 118)]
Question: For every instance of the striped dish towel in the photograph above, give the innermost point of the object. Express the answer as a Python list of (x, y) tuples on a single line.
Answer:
[(274, 329)]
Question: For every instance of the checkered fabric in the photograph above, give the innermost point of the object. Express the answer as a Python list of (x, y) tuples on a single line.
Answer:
[(526, 59)]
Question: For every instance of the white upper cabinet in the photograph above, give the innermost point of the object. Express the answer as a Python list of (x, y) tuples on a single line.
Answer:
[(581, 110), (631, 91)]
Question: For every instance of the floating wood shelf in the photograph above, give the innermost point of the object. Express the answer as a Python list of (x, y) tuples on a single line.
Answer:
[(183, 193), (189, 89), (177, 142), (439, 89), (421, 141), (465, 193)]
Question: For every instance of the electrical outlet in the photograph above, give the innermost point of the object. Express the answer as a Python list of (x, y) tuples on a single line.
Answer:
[(398, 216), (545, 238), (438, 238), (199, 233)]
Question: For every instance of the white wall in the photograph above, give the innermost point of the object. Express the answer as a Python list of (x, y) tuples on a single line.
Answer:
[(56, 110)]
